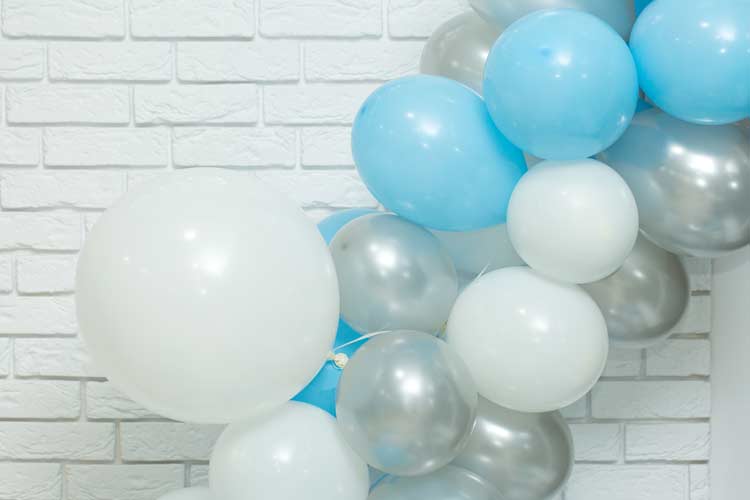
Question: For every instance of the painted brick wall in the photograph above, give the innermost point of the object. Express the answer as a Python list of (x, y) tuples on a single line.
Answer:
[(100, 94)]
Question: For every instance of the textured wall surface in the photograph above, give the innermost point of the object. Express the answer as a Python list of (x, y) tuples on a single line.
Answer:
[(100, 94)]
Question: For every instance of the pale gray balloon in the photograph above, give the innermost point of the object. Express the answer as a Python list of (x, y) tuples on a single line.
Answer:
[(458, 49), (644, 300), (527, 456), (393, 275), (406, 403), (448, 483), (691, 182), (620, 14)]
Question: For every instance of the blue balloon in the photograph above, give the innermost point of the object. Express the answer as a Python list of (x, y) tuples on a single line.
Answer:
[(561, 84), (426, 148), (321, 392), (693, 58), (640, 5)]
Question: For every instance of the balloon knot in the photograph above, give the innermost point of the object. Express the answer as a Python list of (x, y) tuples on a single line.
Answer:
[(339, 359)]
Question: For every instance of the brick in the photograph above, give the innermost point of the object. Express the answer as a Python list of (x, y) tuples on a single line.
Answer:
[(199, 475), (37, 315), (311, 18), (419, 18), (57, 441), (613, 482), (74, 104), (256, 61), (623, 362), (52, 358), (651, 399), (699, 272), (45, 274), (6, 351), (680, 357), (697, 318), (700, 482), (234, 147), (597, 442), (190, 104), (141, 61), (167, 441), (19, 147), (123, 482), (577, 409), (6, 275), (361, 60), (336, 189), (21, 61), (45, 189), (37, 481), (39, 399), (105, 402), (192, 18), (40, 231), (319, 104), (327, 147), (64, 18), (668, 442), (106, 147)]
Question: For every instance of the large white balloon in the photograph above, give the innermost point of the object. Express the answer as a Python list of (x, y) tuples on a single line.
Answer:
[(206, 296), (533, 344), (197, 493), (575, 221), (292, 453)]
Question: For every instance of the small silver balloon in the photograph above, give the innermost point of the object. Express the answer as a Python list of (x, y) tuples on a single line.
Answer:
[(406, 403), (458, 50), (691, 182), (448, 483), (527, 456), (393, 275), (643, 301), (620, 14)]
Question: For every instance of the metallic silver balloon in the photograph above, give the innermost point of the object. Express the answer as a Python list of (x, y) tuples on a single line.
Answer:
[(459, 48), (527, 456), (406, 403), (393, 275), (645, 298), (620, 14), (448, 483), (691, 182)]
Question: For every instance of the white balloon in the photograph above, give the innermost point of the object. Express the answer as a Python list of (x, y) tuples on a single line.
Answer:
[(206, 296), (197, 493), (575, 221), (533, 344), (295, 452)]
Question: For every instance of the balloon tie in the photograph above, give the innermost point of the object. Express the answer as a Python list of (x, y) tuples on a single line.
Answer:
[(339, 359)]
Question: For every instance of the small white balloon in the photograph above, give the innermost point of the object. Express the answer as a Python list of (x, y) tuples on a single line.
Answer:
[(532, 344), (295, 452), (575, 221), (197, 493)]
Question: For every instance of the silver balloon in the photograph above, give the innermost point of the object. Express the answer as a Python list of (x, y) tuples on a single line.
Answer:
[(448, 483), (393, 275), (406, 403), (620, 14), (645, 298), (691, 182), (527, 456), (459, 48)]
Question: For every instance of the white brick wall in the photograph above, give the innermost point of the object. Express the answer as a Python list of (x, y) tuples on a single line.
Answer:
[(98, 95)]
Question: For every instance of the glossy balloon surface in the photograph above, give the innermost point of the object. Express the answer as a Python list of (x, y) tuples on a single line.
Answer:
[(427, 149), (406, 403), (448, 483), (561, 84), (691, 182), (693, 58)]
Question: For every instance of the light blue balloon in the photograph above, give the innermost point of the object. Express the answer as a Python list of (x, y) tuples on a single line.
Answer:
[(693, 58), (640, 5), (561, 84), (321, 392), (426, 148)]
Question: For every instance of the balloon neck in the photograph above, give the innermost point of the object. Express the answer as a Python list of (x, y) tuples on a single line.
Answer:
[(339, 359)]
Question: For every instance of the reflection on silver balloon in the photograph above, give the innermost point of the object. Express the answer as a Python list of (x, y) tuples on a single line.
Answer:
[(406, 403), (620, 14), (449, 483), (393, 275), (645, 298), (459, 48), (527, 456), (691, 182)]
